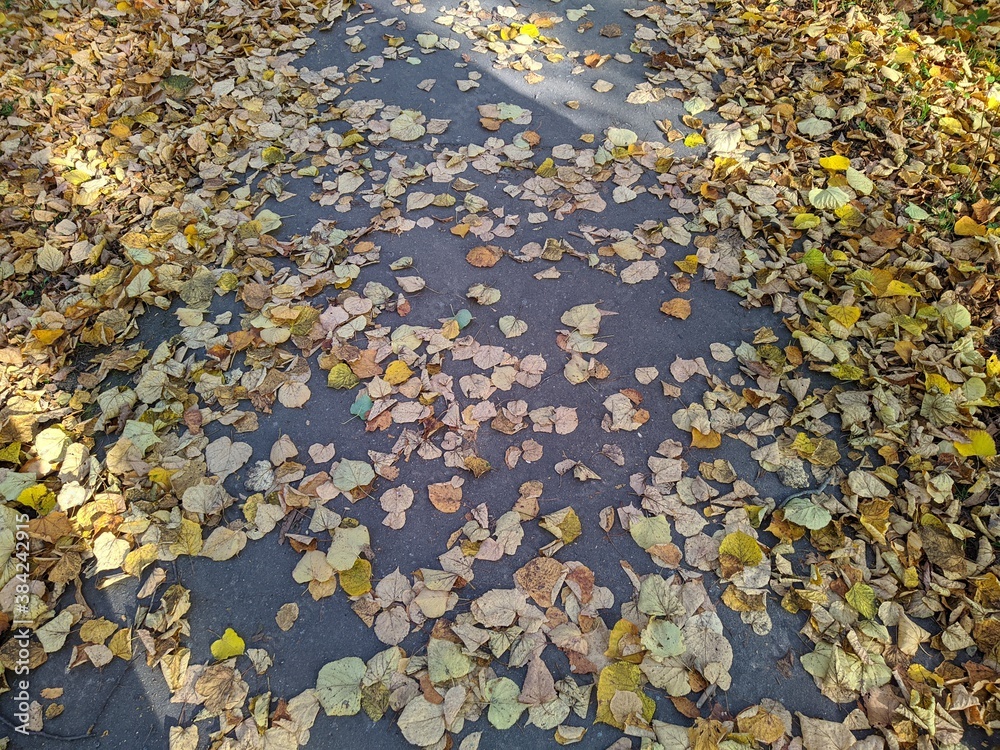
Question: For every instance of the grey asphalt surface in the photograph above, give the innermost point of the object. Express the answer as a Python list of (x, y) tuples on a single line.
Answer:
[(128, 705)]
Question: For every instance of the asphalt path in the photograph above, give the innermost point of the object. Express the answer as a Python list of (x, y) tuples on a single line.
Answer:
[(128, 705)]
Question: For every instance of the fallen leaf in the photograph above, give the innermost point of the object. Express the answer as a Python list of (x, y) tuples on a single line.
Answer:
[(446, 496)]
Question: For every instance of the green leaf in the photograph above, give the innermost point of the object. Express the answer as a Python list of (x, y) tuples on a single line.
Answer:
[(52, 635), (860, 182), (362, 405), (13, 483), (177, 86), (584, 318), (815, 260), (862, 597), (338, 686), (548, 715), (805, 512), (422, 722), (622, 137), (269, 221), (658, 598), (350, 475), (829, 199), (662, 639), (648, 532), (957, 316), (505, 709), (446, 661), (511, 327)]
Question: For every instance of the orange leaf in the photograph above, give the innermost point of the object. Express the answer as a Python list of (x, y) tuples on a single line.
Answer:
[(677, 308), (702, 440), (446, 496), (47, 336), (484, 256)]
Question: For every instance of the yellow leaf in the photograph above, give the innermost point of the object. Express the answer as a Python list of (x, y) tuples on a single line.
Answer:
[(39, 497), (228, 646), (847, 315), (398, 372), (358, 580), (903, 55), (850, 215), (351, 138), (450, 330), (711, 439), (899, 289), (980, 444), (806, 221), (477, 465), (160, 477), (743, 547), (694, 139), (630, 650), (969, 227), (11, 453), (862, 597), (933, 380), (272, 155), (547, 168), (48, 336), (341, 376), (228, 281), (951, 125), (835, 163), (139, 559), (620, 677), (920, 673), (688, 265), (121, 644), (763, 725), (875, 517)]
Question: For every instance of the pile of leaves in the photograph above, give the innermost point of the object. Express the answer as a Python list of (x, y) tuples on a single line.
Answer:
[(123, 146), (851, 186), (839, 168)]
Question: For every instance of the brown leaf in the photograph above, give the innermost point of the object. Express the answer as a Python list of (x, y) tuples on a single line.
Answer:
[(686, 707), (539, 687), (541, 578), (478, 466), (677, 307), (484, 256), (446, 496)]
